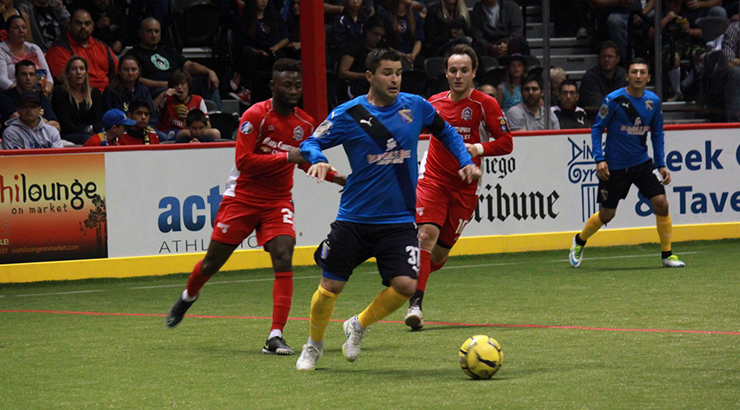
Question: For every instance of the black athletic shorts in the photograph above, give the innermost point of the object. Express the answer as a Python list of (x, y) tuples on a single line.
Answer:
[(620, 181), (394, 246)]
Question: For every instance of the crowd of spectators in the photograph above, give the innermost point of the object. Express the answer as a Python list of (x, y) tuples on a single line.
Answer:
[(91, 60)]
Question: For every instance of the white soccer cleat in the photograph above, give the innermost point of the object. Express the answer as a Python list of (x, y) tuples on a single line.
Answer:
[(414, 319), (673, 262), (576, 253), (308, 358), (352, 347)]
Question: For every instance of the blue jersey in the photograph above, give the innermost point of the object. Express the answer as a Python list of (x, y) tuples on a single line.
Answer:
[(382, 186), (627, 120)]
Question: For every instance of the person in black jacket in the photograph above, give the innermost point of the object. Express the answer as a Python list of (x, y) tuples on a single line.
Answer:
[(78, 106)]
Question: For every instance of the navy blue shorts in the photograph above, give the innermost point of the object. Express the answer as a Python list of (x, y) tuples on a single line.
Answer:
[(394, 246), (620, 181)]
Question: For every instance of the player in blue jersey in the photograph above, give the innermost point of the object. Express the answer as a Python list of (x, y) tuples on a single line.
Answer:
[(379, 133), (628, 114)]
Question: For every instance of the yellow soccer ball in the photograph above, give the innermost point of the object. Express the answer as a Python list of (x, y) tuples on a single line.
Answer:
[(481, 357)]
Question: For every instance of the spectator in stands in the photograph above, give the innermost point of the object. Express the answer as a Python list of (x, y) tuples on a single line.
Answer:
[(530, 114), (487, 88), (134, 11), (404, 30), (497, 25), (568, 113), (352, 65), (557, 76), (179, 102), (140, 133), (49, 20), (14, 49), (447, 24), (509, 92), (8, 10), (348, 25), (115, 123), (29, 130), (79, 41), (198, 127), (614, 18), (704, 8), (602, 79), (25, 79), (78, 106), (725, 79), (159, 61), (125, 86), (259, 43), (109, 24), (293, 22)]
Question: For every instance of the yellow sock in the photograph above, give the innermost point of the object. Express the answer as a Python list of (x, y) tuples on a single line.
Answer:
[(665, 231), (387, 302), (592, 225), (322, 307)]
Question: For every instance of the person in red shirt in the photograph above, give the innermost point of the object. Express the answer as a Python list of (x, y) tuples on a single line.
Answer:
[(258, 197), (79, 41), (179, 102), (115, 122), (445, 205), (140, 133)]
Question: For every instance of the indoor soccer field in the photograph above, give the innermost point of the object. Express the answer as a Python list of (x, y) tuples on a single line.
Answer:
[(620, 332)]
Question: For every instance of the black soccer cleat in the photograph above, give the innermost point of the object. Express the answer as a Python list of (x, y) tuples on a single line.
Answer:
[(277, 345), (177, 311)]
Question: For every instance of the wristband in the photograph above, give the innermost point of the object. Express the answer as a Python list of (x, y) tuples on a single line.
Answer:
[(479, 147)]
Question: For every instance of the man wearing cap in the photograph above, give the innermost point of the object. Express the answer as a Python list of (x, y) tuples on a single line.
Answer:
[(28, 130), (115, 126)]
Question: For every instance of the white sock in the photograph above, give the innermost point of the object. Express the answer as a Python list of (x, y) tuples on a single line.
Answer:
[(318, 345), (187, 297), (675, 77), (275, 333)]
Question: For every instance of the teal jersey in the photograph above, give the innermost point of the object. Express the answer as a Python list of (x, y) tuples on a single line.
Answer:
[(381, 145), (627, 120)]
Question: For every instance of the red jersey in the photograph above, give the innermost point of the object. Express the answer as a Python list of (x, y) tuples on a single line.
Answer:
[(147, 137), (477, 119), (168, 118), (262, 172)]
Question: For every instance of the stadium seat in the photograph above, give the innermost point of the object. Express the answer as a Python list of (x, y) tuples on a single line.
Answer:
[(225, 122), (198, 26)]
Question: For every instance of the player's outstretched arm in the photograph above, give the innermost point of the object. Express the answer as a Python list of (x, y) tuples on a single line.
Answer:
[(470, 173), (319, 170), (295, 157)]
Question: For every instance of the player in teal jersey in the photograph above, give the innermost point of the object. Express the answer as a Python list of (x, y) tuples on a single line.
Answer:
[(628, 114), (380, 133)]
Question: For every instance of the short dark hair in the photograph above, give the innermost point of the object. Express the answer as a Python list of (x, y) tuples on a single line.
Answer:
[(24, 63), (568, 81), (639, 60), (286, 64), (196, 115), (532, 78), (609, 44), (180, 76), (462, 49), (372, 62), (137, 103)]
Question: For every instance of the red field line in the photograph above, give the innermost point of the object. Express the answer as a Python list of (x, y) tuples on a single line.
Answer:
[(606, 329)]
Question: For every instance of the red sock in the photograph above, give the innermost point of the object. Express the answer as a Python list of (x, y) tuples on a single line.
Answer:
[(196, 280), (282, 296), (436, 266), (424, 271)]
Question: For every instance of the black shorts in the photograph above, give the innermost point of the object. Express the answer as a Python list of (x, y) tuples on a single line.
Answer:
[(394, 246), (620, 181)]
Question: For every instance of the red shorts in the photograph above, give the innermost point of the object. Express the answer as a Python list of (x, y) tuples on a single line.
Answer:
[(235, 221), (448, 209)]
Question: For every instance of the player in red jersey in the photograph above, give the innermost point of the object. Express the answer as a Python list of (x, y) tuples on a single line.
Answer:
[(445, 205), (258, 197)]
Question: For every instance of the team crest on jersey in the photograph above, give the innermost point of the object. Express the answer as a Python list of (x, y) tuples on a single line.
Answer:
[(503, 123), (649, 105), (467, 113), (323, 128), (246, 127), (298, 133), (406, 115), (420, 210), (603, 111)]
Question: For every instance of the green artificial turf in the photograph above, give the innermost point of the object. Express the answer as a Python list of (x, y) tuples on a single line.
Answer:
[(619, 332)]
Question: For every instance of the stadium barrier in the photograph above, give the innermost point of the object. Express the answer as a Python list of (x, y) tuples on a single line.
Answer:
[(137, 211)]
